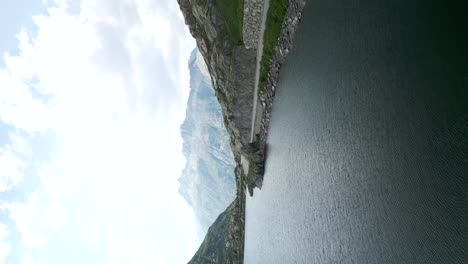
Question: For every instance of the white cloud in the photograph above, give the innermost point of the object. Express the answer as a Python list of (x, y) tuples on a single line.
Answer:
[(19, 108), (5, 246), (32, 231), (112, 83), (27, 259), (20, 144), (11, 169)]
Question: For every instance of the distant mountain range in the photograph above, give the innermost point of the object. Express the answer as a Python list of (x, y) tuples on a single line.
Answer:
[(207, 181)]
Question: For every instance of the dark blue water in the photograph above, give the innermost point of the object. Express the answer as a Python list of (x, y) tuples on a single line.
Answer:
[(367, 151)]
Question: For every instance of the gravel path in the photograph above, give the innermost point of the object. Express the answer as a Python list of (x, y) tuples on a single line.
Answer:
[(266, 5)]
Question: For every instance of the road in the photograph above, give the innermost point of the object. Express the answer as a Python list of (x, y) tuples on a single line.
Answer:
[(266, 5)]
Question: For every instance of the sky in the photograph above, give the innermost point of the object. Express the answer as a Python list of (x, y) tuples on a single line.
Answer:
[(92, 95)]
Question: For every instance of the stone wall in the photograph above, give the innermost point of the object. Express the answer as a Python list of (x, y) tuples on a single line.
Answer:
[(253, 13)]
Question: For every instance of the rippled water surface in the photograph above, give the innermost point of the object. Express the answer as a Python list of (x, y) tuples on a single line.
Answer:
[(367, 151)]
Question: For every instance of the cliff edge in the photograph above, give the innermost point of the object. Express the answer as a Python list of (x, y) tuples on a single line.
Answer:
[(231, 66)]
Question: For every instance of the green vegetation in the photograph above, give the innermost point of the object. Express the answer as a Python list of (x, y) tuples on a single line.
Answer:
[(233, 14), (223, 242), (254, 154), (251, 173), (275, 17)]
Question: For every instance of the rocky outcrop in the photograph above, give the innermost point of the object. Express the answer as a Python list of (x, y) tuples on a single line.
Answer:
[(253, 12), (253, 154), (207, 182)]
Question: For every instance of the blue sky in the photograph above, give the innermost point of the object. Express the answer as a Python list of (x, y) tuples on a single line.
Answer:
[(92, 94), (15, 15)]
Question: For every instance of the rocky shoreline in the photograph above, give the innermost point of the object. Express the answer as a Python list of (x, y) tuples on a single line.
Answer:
[(267, 93), (285, 44)]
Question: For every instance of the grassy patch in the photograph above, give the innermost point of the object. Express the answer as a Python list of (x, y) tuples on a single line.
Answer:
[(233, 14), (275, 17)]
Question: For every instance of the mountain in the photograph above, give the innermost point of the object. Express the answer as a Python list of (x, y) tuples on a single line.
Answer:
[(207, 181), (224, 242)]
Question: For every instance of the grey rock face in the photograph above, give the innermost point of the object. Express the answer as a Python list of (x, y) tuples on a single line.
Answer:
[(207, 181), (255, 154)]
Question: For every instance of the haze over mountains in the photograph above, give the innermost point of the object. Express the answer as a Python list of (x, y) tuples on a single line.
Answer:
[(207, 181)]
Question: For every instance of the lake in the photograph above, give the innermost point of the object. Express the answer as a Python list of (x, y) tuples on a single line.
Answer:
[(367, 158)]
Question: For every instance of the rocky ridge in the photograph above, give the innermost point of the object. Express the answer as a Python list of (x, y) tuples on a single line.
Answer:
[(222, 244)]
